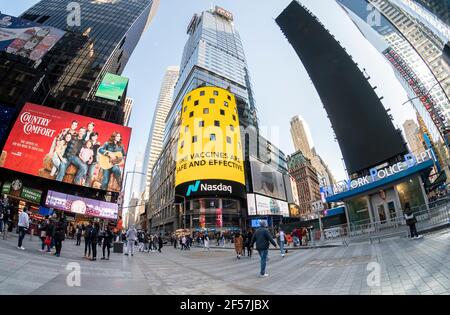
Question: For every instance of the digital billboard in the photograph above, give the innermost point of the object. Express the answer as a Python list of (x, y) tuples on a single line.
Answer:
[(267, 180), (27, 39), (262, 205), (112, 87), (67, 147), (209, 153), (83, 206)]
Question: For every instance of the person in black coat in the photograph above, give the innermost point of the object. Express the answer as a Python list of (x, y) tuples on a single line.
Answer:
[(107, 241), (87, 240), (262, 238), (248, 243), (60, 236), (94, 240), (160, 243)]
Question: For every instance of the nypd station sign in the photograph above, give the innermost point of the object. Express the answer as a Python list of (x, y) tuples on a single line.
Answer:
[(377, 174)]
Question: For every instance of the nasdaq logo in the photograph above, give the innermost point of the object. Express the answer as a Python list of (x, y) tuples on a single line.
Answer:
[(193, 188)]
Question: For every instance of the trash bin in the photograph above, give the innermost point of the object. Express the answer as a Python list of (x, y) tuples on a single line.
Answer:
[(118, 247)]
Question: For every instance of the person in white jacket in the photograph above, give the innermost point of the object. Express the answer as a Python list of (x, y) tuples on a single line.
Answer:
[(24, 224), (131, 238)]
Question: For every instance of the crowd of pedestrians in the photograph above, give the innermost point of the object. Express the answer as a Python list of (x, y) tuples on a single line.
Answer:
[(145, 242)]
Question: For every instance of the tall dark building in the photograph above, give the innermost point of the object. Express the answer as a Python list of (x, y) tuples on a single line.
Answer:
[(440, 8), (111, 31), (362, 126)]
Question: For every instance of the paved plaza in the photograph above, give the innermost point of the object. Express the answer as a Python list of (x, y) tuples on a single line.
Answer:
[(407, 267)]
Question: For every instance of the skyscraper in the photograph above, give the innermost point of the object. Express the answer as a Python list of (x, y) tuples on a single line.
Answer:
[(413, 135), (111, 30), (299, 137), (440, 8), (214, 56), (366, 135), (127, 110), (154, 145), (421, 85)]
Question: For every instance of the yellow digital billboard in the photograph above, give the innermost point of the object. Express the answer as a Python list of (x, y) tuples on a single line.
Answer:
[(209, 151)]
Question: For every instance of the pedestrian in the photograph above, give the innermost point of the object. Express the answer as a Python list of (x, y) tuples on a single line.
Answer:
[(87, 240), (160, 242), (60, 236), (107, 242), (50, 234), (146, 242), (411, 222), (131, 237), (206, 242), (281, 236), (94, 240), (79, 233), (2, 210), (262, 238), (238, 244), (175, 241), (183, 242), (24, 224), (43, 233), (248, 243)]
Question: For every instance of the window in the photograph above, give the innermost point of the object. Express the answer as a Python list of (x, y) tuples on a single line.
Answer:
[(216, 93), (229, 97), (229, 140), (201, 123), (186, 129), (216, 123), (225, 103), (231, 127), (191, 114), (182, 145), (212, 137), (194, 139), (234, 118), (205, 110), (189, 98), (202, 93), (222, 112), (196, 103), (212, 101)]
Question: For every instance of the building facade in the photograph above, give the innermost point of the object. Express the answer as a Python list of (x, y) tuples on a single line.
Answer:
[(299, 137), (155, 139), (413, 135), (440, 8), (127, 110), (306, 179)]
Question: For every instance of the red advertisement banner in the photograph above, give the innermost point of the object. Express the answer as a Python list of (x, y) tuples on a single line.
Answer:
[(67, 147)]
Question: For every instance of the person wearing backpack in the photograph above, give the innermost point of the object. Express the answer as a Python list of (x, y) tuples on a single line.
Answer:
[(87, 240), (60, 235), (411, 222)]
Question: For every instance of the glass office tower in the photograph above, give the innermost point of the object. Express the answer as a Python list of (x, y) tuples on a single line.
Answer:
[(113, 27), (440, 8)]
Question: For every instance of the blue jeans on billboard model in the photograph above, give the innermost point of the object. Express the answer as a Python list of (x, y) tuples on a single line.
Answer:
[(90, 174), (78, 163), (282, 248), (263, 254), (22, 231), (106, 174)]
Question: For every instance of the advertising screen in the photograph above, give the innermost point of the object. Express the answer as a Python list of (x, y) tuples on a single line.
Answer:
[(251, 204), (209, 153), (6, 115), (270, 206), (27, 39), (80, 205), (267, 180), (68, 148), (112, 87)]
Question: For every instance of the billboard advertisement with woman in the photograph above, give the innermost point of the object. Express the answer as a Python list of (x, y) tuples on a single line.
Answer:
[(67, 147)]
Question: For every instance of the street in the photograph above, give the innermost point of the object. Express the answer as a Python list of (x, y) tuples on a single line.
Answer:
[(407, 267)]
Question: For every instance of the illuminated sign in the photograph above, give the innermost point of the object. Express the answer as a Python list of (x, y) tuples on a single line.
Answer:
[(226, 14), (112, 87), (410, 160)]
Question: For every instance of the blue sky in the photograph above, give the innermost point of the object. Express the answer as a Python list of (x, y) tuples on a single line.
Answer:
[(281, 85)]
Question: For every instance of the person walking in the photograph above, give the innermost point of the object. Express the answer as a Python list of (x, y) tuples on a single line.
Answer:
[(24, 224), (79, 232), (60, 236), (238, 244), (411, 222), (43, 233), (146, 242), (263, 238), (131, 237), (140, 241), (160, 242), (248, 243), (95, 236), (87, 240), (50, 234), (282, 240), (107, 242), (206, 242), (175, 241), (183, 243)]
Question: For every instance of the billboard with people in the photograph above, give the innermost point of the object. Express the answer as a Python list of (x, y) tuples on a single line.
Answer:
[(67, 147), (27, 39)]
